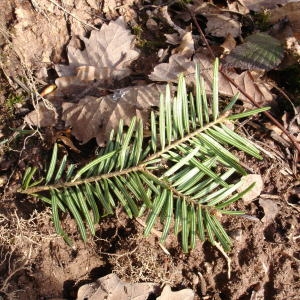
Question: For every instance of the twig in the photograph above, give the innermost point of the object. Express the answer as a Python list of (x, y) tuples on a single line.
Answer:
[(267, 114), (141, 167)]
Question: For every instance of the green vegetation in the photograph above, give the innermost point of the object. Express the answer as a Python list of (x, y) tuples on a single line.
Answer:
[(183, 175)]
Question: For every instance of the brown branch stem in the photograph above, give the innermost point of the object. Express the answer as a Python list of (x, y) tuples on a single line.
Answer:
[(42, 188)]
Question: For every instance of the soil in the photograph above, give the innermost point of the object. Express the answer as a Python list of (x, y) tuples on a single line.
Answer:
[(35, 263)]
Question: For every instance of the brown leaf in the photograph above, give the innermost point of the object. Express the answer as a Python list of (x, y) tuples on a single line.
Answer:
[(42, 116), (221, 25), (110, 287), (186, 47), (290, 11), (169, 71), (37, 40), (229, 44), (259, 5), (270, 209), (110, 50), (96, 117), (185, 294), (238, 6), (259, 91)]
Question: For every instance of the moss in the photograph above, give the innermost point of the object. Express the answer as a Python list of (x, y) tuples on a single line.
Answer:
[(12, 100), (262, 20)]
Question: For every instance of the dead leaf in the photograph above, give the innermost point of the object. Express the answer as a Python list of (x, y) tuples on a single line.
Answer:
[(110, 51), (96, 117), (172, 38), (291, 11), (164, 14), (259, 5), (42, 116), (110, 287), (221, 25), (270, 209), (167, 294), (186, 47), (260, 51), (238, 6), (256, 190), (291, 122), (204, 8), (229, 44), (169, 72)]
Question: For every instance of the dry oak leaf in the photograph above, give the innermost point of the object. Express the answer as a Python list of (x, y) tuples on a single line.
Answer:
[(110, 287), (186, 46), (221, 25), (96, 117), (42, 116), (177, 64), (259, 5), (110, 50), (170, 71)]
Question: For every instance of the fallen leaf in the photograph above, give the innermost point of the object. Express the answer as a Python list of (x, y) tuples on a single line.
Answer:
[(167, 294), (172, 38), (291, 122), (291, 11), (221, 25), (186, 47), (164, 14), (229, 44), (42, 116), (259, 5), (204, 8), (256, 190), (270, 209), (260, 51), (169, 72), (110, 50), (238, 6), (110, 287), (96, 117), (177, 64)]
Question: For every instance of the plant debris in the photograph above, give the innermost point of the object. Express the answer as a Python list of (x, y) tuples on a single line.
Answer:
[(260, 51), (96, 117), (110, 51)]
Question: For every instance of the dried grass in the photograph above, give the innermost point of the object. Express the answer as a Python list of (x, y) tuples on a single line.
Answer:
[(21, 240)]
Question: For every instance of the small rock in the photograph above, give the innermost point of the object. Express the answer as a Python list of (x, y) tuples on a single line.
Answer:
[(255, 191)]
